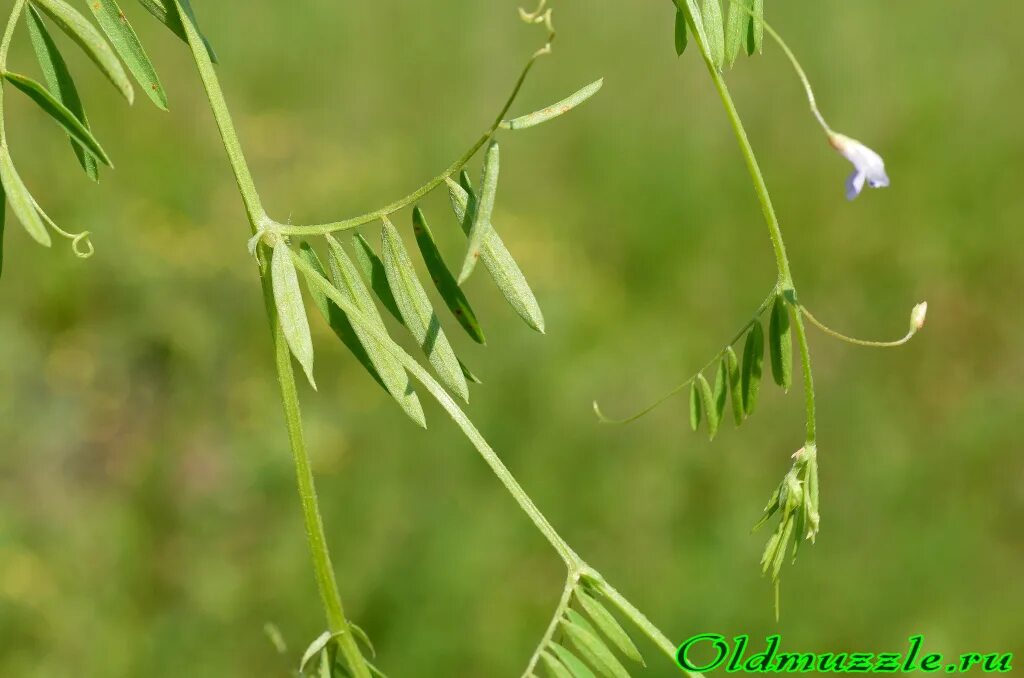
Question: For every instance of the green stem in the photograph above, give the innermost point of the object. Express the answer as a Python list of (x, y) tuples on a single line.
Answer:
[(324, 286), (323, 569), (689, 8)]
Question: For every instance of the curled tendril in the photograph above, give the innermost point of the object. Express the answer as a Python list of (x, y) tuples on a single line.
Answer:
[(82, 252), (541, 15)]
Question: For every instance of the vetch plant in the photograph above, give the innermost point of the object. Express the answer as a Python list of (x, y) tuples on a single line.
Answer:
[(359, 278), (737, 381)]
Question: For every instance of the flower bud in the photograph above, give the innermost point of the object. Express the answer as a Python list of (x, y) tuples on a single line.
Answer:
[(917, 316)]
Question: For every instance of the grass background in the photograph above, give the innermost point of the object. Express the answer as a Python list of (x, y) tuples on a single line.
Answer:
[(148, 519)]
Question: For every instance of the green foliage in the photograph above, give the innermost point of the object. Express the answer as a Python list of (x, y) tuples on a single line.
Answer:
[(498, 261), (58, 79), (92, 43), (479, 217), (60, 113), (418, 313), (753, 362), (20, 200), (126, 43), (780, 344), (711, 18), (291, 312), (444, 281)]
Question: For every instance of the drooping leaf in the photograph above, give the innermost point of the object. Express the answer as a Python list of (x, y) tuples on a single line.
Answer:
[(92, 43), (417, 312), (468, 373), (60, 114), (361, 636), (708, 403), (20, 199), (443, 279), (500, 264), (59, 82), (396, 379), (291, 312), (554, 110), (126, 43), (166, 13), (737, 27), (373, 269), (555, 668), (480, 218), (753, 362), (318, 645), (780, 344), (681, 32), (721, 391), (380, 364), (571, 661), (735, 385), (711, 16), (755, 29), (695, 406), (594, 650), (609, 626)]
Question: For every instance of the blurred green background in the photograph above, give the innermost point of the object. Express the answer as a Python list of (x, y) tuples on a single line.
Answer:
[(149, 523)]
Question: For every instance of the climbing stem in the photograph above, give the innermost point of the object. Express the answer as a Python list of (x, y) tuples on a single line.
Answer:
[(786, 286), (323, 569)]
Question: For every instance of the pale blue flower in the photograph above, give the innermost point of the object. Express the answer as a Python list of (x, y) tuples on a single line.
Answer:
[(868, 166)]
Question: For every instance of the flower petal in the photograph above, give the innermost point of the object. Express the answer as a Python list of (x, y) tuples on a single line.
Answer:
[(855, 184)]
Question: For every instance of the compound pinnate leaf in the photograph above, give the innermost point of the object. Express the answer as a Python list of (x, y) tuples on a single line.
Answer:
[(291, 313), (480, 218), (60, 83), (417, 312), (711, 17), (592, 648), (571, 661), (736, 29), (780, 344), (755, 29), (443, 279), (707, 397), (695, 405), (167, 14), (20, 199), (681, 32), (498, 261), (555, 668), (380, 364), (60, 113), (753, 363), (732, 363), (554, 110), (92, 43), (126, 43), (609, 626)]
